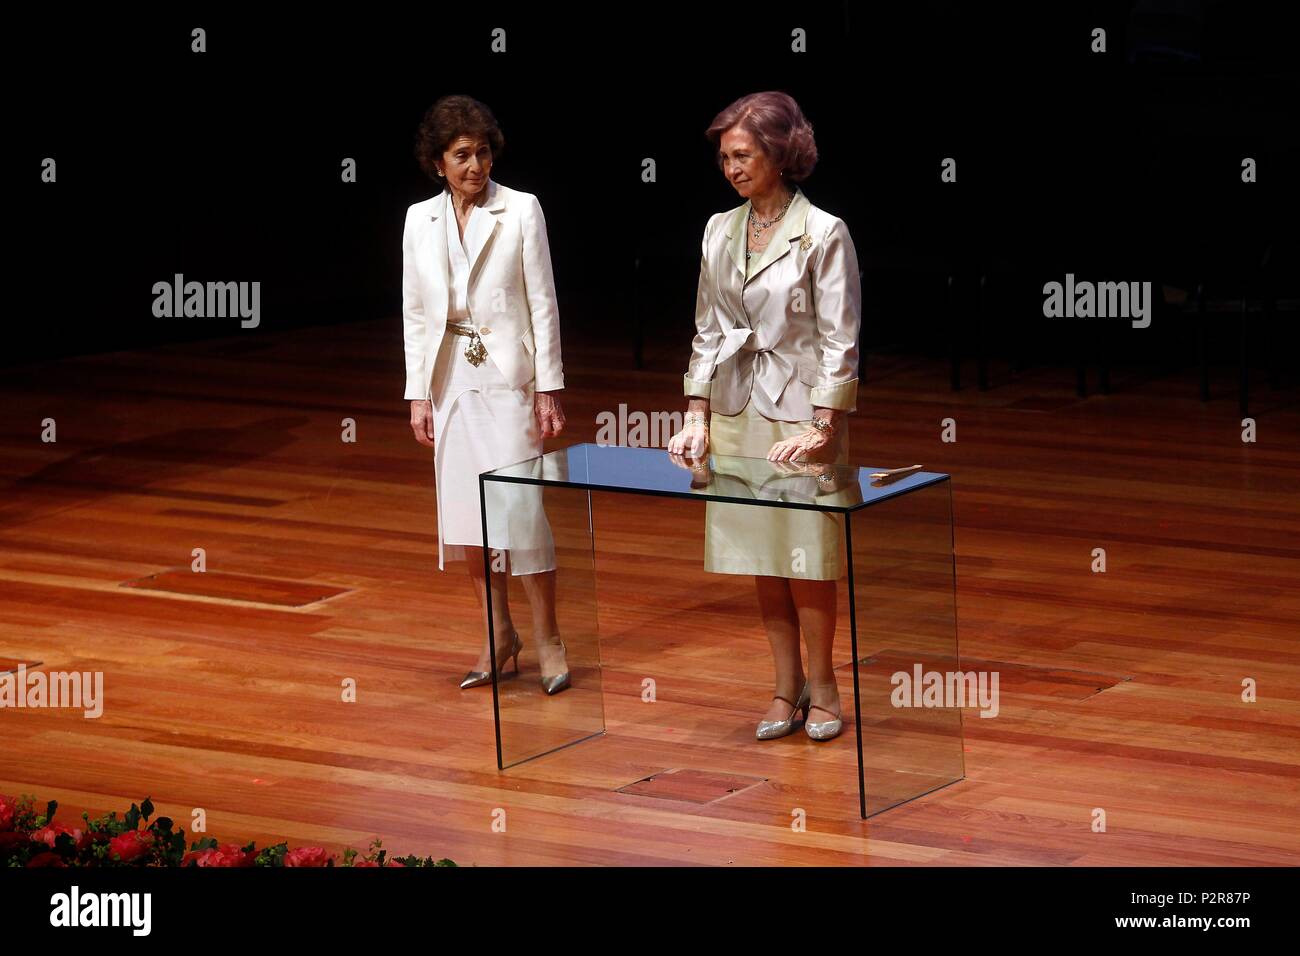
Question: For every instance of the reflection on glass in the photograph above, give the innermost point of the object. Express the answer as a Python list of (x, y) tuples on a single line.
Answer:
[(555, 698), (905, 615), (890, 540)]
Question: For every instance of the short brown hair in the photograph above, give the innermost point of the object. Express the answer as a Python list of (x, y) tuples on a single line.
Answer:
[(776, 122), (447, 120)]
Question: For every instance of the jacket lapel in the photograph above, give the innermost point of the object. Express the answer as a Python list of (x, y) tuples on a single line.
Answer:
[(789, 229), (438, 239), (736, 237), (483, 225)]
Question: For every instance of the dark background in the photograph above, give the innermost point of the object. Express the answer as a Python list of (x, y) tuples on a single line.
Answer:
[(225, 165)]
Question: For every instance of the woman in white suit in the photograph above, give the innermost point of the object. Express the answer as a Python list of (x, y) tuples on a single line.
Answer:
[(773, 373), (482, 341)]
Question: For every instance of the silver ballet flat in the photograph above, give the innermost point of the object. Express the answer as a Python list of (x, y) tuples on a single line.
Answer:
[(557, 683), (771, 729), (823, 729), (477, 678)]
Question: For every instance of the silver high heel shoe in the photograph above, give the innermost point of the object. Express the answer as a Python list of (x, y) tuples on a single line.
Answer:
[(557, 683), (476, 678), (771, 729), (823, 729)]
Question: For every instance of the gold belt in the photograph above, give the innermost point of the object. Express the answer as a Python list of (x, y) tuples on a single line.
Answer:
[(475, 352)]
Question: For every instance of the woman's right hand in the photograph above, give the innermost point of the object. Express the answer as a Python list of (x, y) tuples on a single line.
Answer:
[(692, 441), (422, 421)]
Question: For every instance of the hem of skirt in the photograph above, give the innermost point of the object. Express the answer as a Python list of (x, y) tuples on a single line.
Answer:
[(833, 573), (462, 557)]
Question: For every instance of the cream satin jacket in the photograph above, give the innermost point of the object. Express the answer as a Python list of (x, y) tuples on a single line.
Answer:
[(511, 289), (786, 338)]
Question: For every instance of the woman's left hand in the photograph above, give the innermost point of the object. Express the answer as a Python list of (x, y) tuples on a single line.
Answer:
[(550, 417), (791, 449)]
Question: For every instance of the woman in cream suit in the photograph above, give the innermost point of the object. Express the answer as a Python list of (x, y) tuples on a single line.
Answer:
[(482, 340), (773, 373)]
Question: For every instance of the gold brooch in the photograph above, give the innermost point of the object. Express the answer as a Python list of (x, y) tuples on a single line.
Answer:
[(805, 242), (475, 352)]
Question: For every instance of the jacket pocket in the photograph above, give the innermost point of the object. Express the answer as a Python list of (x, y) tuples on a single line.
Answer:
[(529, 344)]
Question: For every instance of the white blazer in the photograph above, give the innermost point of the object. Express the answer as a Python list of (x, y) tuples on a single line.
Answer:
[(786, 337), (511, 290)]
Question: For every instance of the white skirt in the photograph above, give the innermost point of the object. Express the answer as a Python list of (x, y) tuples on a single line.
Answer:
[(480, 423)]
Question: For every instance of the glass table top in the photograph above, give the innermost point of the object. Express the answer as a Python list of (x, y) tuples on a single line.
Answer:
[(652, 471)]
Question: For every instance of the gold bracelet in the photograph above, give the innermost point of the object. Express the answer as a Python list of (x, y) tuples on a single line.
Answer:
[(823, 425), (696, 419)]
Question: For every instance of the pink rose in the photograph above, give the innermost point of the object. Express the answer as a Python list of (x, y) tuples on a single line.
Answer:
[(48, 834), (130, 846), (228, 855), (308, 856), (45, 859)]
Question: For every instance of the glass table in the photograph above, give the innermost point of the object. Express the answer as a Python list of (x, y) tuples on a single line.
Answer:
[(636, 545)]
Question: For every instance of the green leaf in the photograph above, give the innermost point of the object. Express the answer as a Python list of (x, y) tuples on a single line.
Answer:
[(175, 848), (146, 808), (272, 855)]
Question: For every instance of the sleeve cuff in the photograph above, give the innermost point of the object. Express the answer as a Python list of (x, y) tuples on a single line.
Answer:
[(417, 391), (696, 389), (843, 396)]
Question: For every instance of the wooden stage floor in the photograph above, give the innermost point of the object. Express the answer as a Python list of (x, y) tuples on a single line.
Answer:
[(1120, 692)]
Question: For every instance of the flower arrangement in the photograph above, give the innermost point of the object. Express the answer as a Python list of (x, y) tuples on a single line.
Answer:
[(30, 838)]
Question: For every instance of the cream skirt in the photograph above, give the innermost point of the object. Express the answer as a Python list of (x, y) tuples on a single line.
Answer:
[(480, 424), (763, 540)]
